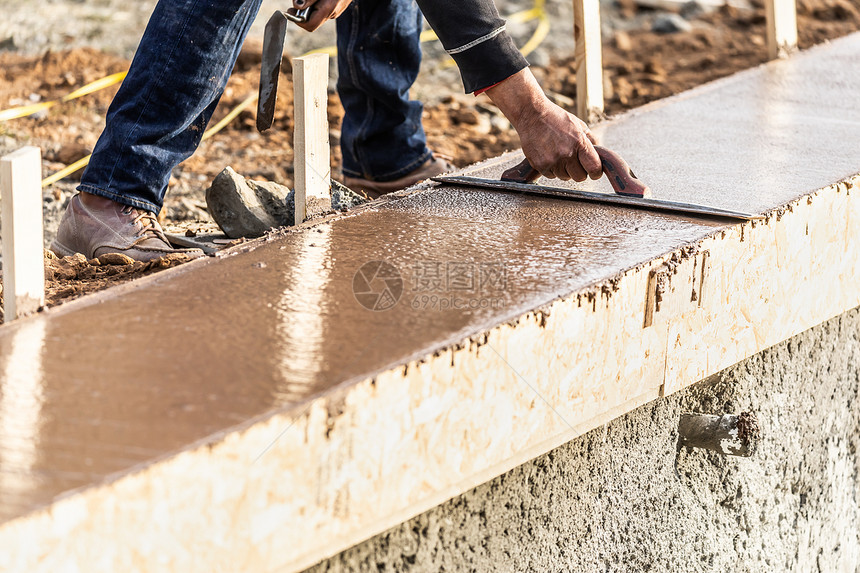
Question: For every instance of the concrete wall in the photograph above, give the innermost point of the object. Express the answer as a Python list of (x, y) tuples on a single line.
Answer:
[(612, 500)]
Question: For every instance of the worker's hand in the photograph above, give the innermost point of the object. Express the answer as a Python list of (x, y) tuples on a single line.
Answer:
[(559, 144), (556, 143), (323, 10)]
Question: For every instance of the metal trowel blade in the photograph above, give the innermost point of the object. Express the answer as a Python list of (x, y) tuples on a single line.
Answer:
[(605, 198), (270, 69)]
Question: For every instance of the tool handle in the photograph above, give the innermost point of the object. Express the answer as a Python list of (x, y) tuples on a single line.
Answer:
[(621, 177), (298, 16)]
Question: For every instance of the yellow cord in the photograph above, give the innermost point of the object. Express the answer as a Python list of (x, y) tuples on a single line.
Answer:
[(93, 87), (66, 171), (81, 163), (249, 101), (537, 12)]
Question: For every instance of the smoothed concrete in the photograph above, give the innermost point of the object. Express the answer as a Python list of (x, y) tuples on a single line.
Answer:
[(620, 498)]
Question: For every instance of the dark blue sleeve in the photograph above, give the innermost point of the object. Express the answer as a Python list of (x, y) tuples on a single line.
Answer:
[(474, 34)]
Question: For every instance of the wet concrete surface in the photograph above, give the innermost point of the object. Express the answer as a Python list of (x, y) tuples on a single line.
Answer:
[(100, 387)]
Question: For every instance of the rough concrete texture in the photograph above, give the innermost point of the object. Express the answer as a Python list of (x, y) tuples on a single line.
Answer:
[(612, 500)]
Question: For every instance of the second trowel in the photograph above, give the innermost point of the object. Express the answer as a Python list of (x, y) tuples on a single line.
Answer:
[(270, 68)]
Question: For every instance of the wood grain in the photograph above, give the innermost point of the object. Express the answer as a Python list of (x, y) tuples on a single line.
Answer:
[(312, 151), (21, 199), (589, 60), (781, 24)]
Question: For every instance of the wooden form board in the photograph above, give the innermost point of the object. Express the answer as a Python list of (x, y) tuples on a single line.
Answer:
[(312, 151), (21, 206), (589, 60), (377, 452), (781, 16)]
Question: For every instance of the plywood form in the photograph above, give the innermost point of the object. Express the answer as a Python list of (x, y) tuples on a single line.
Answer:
[(291, 490)]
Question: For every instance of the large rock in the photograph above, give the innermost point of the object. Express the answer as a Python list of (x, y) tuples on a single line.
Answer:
[(245, 208)]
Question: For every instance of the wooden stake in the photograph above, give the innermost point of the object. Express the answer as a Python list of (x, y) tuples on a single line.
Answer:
[(781, 28), (589, 61), (310, 139), (23, 255)]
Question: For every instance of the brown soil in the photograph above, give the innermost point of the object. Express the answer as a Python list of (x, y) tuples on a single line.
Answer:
[(67, 278), (641, 66)]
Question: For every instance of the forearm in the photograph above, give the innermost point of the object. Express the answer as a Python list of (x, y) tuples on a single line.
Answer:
[(520, 98)]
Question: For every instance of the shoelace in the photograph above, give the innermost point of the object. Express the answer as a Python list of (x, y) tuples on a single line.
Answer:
[(149, 222)]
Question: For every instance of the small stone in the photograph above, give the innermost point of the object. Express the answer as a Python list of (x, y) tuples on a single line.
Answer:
[(465, 116), (78, 260), (670, 24), (115, 259), (694, 9), (623, 42)]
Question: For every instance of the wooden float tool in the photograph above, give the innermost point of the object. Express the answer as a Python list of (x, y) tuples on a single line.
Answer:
[(630, 191)]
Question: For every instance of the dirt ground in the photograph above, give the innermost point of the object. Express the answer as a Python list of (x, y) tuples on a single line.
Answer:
[(640, 66)]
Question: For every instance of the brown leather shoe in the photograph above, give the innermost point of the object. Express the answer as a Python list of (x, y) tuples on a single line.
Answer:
[(112, 228), (436, 165)]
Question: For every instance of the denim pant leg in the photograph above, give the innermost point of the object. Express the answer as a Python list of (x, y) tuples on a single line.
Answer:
[(162, 108), (379, 53)]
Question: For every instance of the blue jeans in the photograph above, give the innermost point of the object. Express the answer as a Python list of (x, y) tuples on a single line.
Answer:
[(178, 74), (379, 53)]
